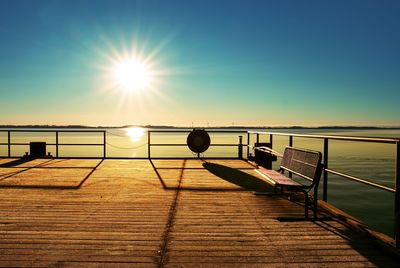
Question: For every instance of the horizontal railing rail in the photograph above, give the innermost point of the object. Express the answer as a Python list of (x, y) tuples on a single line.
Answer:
[(240, 144), (331, 137)]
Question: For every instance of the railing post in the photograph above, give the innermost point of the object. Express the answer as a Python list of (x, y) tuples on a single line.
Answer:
[(104, 144), (9, 143), (258, 138), (148, 144), (290, 145), (271, 139), (397, 197), (57, 144), (248, 145), (325, 176), (240, 148)]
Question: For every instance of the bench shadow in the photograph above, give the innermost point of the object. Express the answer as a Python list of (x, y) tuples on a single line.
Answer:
[(246, 181), (237, 177)]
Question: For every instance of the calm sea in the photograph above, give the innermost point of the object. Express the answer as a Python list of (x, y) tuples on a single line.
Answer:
[(373, 161)]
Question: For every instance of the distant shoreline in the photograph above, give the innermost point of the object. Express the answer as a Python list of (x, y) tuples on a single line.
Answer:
[(217, 127)]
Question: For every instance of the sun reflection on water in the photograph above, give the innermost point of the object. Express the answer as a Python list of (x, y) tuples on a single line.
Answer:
[(135, 133)]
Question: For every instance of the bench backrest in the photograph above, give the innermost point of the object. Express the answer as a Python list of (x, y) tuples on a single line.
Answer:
[(302, 162)]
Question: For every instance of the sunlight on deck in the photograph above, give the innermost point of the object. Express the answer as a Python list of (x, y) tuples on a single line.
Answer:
[(124, 213)]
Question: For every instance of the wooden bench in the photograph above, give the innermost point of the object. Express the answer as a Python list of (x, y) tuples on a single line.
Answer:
[(303, 163)]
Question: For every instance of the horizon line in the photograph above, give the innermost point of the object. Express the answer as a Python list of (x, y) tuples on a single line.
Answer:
[(208, 127)]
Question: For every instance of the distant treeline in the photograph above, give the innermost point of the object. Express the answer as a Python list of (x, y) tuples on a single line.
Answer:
[(217, 127)]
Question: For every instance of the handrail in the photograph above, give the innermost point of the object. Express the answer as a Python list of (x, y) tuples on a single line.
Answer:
[(149, 144), (331, 137), (52, 130), (362, 180)]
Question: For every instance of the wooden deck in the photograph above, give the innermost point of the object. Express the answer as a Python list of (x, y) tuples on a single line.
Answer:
[(165, 213)]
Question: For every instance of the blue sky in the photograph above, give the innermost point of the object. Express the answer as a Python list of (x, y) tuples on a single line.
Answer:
[(263, 63)]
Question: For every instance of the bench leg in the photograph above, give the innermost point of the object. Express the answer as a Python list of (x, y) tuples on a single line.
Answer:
[(306, 204), (315, 205)]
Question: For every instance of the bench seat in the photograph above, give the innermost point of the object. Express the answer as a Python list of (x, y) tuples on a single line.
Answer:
[(276, 178)]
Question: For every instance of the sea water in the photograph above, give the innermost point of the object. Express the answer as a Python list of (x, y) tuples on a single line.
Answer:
[(372, 161)]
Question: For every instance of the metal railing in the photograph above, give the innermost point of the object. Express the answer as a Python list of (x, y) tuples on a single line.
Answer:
[(327, 170), (239, 145), (57, 144), (104, 143)]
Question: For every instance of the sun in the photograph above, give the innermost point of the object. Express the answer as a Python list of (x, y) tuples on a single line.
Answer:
[(132, 75)]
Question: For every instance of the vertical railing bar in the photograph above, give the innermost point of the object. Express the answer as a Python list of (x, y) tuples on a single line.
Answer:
[(148, 144), (290, 145), (57, 144), (271, 140), (397, 197), (9, 143), (104, 144), (258, 138), (325, 176), (240, 147), (248, 144)]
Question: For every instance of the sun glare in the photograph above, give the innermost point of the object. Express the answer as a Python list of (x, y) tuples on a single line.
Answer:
[(135, 133), (132, 75)]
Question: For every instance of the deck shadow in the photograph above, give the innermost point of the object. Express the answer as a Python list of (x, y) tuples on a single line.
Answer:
[(246, 179), (17, 162), (237, 177), (44, 186)]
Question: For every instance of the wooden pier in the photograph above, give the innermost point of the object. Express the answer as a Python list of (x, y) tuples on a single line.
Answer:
[(161, 213)]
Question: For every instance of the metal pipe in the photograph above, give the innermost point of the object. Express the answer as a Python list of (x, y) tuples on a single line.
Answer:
[(248, 145), (240, 148), (63, 144), (290, 145), (364, 181), (104, 144), (271, 139), (347, 138), (56, 144), (148, 144), (325, 176), (191, 129), (9, 143), (397, 198)]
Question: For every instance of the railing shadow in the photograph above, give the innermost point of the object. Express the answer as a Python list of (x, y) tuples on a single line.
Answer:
[(23, 160)]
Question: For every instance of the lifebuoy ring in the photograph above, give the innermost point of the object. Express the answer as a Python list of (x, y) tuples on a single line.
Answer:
[(198, 141)]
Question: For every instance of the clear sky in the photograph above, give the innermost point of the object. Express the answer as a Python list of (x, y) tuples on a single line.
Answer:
[(249, 62)]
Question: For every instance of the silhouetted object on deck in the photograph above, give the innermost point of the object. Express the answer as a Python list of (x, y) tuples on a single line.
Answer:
[(37, 149), (198, 141), (263, 158)]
